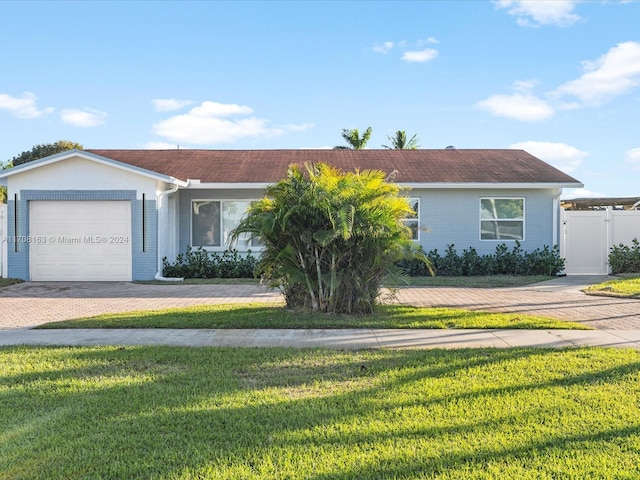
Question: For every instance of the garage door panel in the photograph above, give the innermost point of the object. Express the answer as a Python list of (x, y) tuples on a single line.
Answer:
[(80, 240)]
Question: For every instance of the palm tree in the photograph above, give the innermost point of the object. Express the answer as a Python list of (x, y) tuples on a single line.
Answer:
[(353, 138), (400, 142), (330, 237)]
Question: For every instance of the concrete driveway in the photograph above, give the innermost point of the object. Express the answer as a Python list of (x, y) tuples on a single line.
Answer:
[(29, 304)]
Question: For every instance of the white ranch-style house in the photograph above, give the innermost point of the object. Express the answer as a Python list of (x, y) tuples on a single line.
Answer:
[(112, 215)]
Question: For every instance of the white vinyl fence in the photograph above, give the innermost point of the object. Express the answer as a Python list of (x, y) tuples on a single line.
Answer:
[(588, 236), (3, 237)]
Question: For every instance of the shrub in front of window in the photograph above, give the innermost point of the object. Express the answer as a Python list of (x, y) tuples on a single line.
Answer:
[(200, 263), (331, 238)]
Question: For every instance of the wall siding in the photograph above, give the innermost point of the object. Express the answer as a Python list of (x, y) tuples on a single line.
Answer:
[(144, 257), (453, 217)]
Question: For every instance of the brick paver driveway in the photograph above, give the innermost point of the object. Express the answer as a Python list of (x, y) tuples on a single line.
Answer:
[(560, 298), (28, 304)]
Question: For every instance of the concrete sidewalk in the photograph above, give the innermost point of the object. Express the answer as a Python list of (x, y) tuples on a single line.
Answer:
[(347, 339)]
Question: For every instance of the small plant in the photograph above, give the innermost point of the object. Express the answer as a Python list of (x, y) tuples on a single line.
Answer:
[(199, 263), (624, 258)]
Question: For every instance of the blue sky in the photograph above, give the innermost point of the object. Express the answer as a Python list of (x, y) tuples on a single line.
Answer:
[(559, 78)]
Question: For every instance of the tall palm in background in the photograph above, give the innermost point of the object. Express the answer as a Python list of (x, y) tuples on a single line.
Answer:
[(399, 141), (353, 139)]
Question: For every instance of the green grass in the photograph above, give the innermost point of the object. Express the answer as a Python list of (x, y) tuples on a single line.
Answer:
[(627, 287), (215, 413), (263, 315), (5, 282)]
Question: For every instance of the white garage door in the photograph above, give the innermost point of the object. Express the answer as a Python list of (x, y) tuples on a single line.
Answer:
[(80, 240)]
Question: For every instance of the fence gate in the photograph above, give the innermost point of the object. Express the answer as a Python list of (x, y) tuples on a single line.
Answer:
[(588, 236)]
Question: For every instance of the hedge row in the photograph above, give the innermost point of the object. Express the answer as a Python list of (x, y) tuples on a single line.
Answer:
[(200, 263), (545, 261)]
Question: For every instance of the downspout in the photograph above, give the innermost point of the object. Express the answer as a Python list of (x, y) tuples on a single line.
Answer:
[(159, 198), (556, 211), (556, 221)]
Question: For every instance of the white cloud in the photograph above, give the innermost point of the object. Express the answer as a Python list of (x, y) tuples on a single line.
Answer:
[(525, 107), (298, 128), (534, 13), (383, 47), (428, 41), (562, 156), (169, 104), (215, 109), (83, 118), (420, 55), (614, 73), (23, 107), (204, 125), (633, 157)]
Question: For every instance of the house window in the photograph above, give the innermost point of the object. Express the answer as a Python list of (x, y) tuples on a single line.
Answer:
[(213, 220), (412, 221), (502, 219)]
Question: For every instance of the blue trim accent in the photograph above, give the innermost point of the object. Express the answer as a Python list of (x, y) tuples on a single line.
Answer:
[(78, 194), (143, 263)]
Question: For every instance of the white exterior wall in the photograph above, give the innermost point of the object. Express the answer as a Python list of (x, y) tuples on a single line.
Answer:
[(79, 174)]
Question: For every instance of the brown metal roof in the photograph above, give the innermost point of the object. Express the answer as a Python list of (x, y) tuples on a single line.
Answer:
[(412, 166)]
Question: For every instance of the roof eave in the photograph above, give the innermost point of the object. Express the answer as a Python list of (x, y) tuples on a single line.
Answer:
[(197, 185), (502, 186), (192, 184), (25, 167)]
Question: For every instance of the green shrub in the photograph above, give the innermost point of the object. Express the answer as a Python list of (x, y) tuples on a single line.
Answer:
[(199, 263), (625, 259), (545, 261)]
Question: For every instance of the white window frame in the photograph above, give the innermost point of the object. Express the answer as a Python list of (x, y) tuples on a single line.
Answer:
[(409, 220), (223, 246), (522, 220)]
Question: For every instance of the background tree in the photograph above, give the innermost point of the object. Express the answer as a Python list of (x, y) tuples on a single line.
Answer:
[(43, 150), (36, 152), (399, 141), (353, 139), (330, 237)]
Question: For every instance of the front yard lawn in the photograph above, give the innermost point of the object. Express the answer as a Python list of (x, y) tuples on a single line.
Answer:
[(216, 413), (262, 315)]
